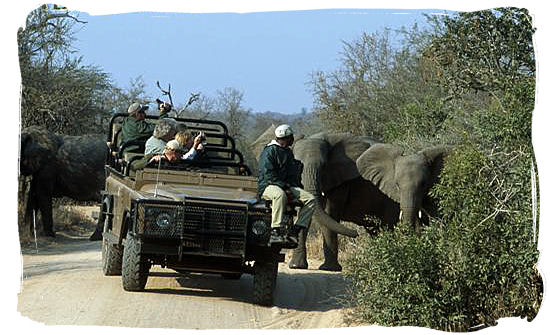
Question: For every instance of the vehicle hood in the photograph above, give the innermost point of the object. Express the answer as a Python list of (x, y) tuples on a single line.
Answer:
[(180, 192)]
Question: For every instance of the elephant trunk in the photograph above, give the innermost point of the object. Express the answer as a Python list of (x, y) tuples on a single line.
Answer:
[(409, 216), (311, 179)]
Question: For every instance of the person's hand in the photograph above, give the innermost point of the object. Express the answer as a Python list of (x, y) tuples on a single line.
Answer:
[(197, 141), (156, 158)]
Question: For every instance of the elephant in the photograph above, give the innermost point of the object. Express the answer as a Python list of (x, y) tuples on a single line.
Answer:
[(60, 165), (329, 161), (386, 183)]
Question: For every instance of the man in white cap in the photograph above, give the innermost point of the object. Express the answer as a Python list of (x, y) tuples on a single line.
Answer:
[(279, 179)]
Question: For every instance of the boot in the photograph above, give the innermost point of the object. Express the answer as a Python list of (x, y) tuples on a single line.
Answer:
[(276, 236)]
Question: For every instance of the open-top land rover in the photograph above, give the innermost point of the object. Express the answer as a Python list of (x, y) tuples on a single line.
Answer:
[(195, 216)]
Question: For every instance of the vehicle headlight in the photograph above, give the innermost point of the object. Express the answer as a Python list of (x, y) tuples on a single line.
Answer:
[(159, 221), (163, 220), (259, 227)]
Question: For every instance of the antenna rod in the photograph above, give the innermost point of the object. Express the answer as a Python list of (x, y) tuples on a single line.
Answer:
[(158, 172)]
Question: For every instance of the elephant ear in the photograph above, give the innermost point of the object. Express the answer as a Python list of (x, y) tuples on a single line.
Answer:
[(340, 166), (377, 165), (434, 157)]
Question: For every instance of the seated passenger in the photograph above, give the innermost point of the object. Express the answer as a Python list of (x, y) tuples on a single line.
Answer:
[(171, 153), (135, 127), (190, 146), (165, 130)]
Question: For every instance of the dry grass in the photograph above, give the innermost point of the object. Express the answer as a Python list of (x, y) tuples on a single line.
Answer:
[(68, 216), (75, 218)]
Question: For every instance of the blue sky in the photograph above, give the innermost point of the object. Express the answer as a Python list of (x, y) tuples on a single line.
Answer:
[(269, 56)]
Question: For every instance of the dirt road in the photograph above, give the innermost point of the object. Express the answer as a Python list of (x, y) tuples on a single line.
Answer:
[(63, 285)]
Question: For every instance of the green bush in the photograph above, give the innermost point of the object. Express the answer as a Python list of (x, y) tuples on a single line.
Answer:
[(476, 261), (472, 266), (395, 278)]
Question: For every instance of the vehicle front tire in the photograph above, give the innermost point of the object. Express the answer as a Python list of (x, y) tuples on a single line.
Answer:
[(265, 280), (135, 270)]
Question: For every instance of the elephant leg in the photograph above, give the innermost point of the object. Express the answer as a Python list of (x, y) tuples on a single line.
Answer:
[(29, 206), (98, 233), (330, 251), (45, 205), (299, 254), (334, 207)]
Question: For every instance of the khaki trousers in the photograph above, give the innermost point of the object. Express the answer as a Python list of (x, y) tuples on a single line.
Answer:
[(278, 199)]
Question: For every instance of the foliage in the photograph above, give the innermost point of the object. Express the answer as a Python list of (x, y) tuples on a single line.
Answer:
[(486, 50), (58, 92), (375, 81), (395, 278), (476, 261), (120, 98)]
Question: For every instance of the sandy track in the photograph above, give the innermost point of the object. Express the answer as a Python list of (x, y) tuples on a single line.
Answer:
[(63, 285)]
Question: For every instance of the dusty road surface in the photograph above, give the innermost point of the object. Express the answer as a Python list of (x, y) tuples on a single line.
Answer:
[(63, 285)]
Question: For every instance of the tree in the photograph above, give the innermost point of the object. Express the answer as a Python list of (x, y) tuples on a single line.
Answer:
[(120, 98), (486, 50), (229, 104), (375, 82), (58, 92), (476, 261)]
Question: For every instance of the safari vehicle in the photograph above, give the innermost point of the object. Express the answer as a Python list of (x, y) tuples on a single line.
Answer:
[(200, 216)]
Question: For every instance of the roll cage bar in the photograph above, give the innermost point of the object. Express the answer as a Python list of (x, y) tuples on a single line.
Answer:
[(220, 150)]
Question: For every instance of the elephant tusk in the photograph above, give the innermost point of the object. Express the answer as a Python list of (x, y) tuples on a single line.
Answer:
[(400, 215), (420, 214)]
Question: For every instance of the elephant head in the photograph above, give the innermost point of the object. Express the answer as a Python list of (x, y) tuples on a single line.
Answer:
[(329, 161), (38, 148), (404, 178)]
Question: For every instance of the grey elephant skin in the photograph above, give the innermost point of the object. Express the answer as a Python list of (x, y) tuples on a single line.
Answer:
[(329, 162), (60, 165), (385, 182)]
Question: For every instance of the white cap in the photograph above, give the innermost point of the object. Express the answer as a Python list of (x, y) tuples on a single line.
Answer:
[(283, 130)]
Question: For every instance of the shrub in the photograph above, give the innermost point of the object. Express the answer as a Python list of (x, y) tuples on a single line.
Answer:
[(471, 266)]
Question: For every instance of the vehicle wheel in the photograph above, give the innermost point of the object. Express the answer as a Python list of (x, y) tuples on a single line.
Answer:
[(265, 280), (134, 269), (232, 276), (111, 257)]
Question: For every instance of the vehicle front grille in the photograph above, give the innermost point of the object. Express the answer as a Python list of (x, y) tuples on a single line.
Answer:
[(203, 228)]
